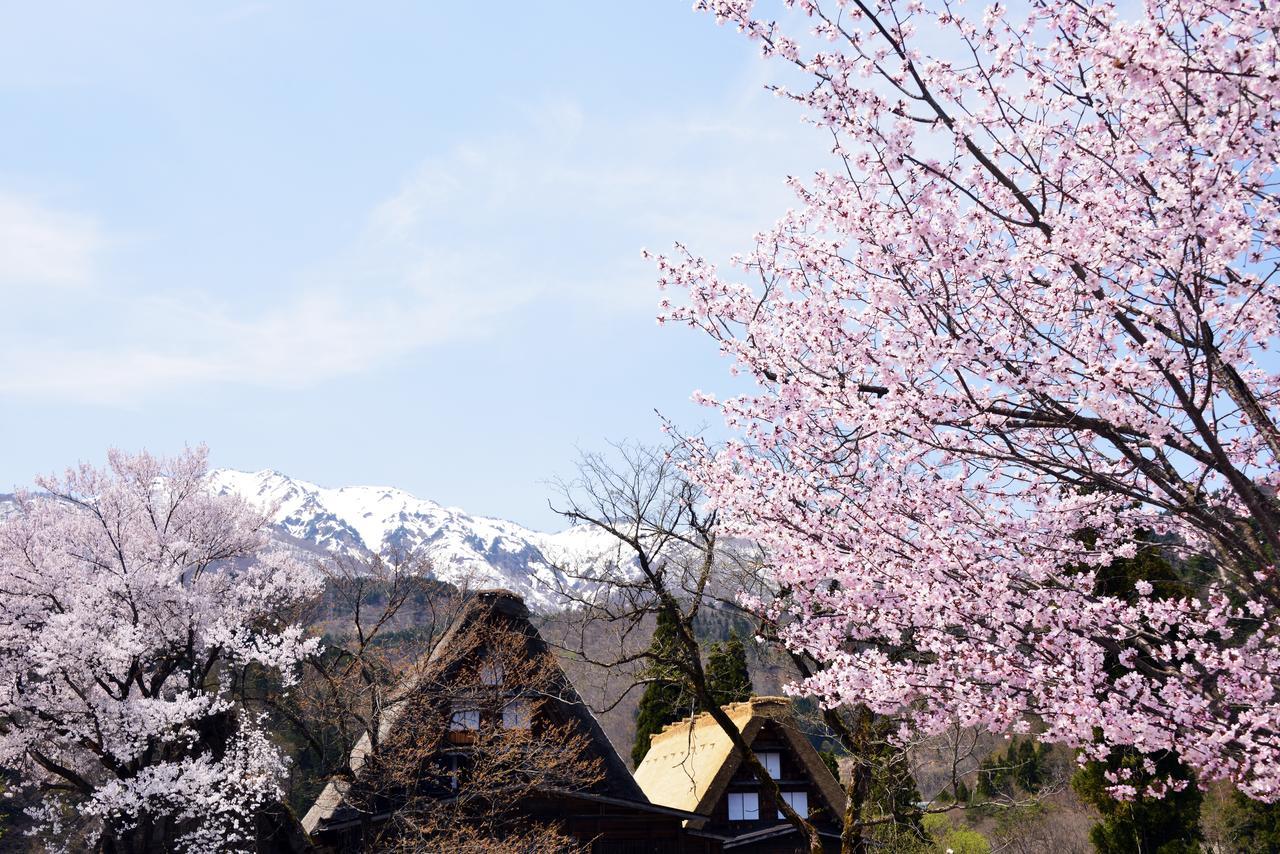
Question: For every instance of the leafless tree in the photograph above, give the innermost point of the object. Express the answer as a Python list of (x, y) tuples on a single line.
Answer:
[(475, 737), (668, 557), (380, 616)]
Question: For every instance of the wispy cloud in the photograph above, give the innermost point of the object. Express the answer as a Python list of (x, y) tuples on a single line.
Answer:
[(566, 203), (554, 211), (41, 246)]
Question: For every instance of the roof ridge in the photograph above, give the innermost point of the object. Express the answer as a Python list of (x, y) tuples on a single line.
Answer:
[(752, 705), (691, 762)]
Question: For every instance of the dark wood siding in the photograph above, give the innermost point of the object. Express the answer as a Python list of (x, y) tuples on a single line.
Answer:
[(793, 777)]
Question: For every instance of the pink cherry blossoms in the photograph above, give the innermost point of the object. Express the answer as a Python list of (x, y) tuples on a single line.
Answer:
[(1034, 299), (127, 596)]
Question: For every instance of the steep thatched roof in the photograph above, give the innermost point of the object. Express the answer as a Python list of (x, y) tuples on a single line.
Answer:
[(690, 762), (483, 608)]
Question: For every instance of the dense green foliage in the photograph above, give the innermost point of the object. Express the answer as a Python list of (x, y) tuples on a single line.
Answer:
[(728, 679), (665, 697), (1021, 769), (949, 837), (1168, 825), (893, 788), (668, 697), (1238, 824)]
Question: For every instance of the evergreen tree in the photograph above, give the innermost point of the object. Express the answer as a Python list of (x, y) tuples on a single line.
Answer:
[(995, 778), (1168, 825), (893, 788), (728, 679), (1020, 768), (666, 697), (1028, 772), (1256, 825), (832, 760)]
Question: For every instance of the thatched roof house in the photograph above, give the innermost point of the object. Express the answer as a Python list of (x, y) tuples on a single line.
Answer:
[(609, 810), (691, 765)]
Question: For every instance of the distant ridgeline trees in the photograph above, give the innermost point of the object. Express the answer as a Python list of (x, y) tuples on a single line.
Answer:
[(1021, 769), (667, 697)]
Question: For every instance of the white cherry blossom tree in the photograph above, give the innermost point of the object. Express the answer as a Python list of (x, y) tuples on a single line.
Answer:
[(127, 595)]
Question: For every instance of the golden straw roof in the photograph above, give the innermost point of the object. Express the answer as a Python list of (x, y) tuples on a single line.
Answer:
[(690, 762)]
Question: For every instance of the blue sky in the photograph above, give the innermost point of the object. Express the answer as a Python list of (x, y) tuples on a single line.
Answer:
[(392, 243)]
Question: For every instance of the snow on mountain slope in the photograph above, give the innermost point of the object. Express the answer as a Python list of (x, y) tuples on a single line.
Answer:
[(467, 550)]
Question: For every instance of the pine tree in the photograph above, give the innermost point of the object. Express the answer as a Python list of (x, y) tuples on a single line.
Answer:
[(894, 790), (1256, 825), (666, 697), (1168, 825), (994, 778), (728, 679), (1019, 769), (1028, 772), (832, 760)]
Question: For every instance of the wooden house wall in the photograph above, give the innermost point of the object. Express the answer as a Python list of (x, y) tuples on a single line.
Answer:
[(793, 777), (610, 828), (616, 829)]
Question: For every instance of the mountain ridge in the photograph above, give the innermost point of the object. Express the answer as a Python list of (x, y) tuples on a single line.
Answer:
[(464, 549)]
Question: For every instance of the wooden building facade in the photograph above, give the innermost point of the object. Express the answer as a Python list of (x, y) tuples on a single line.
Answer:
[(491, 727), (691, 765)]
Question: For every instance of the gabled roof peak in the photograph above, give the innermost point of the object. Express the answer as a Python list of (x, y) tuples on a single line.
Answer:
[(766, 707), (691, 761), (760, 705), (503, 601)]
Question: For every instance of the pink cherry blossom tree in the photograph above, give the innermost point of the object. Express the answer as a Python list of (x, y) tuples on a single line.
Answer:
[(127, 596), (1024, 325)]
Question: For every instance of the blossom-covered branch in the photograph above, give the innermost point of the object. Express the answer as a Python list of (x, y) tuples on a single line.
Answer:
[(1033, 303), (125, 594)]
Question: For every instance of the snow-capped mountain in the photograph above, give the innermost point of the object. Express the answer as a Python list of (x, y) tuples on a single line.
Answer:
[(463, 549)]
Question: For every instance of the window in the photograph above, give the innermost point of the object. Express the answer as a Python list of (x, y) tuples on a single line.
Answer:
[(772, 763), (799, 802), (464, 719), (491, 673), (515, 714), (453, 767), (744, 806)]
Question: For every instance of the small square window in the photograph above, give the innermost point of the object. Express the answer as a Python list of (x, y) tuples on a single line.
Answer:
[(799, 802), (772, 763), (744, 806), (491, 673), (515, 714), (464, 719)]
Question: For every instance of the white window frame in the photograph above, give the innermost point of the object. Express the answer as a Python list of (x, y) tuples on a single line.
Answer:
[(744, 806), (799, 802), (772, 762), (516, 714)]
